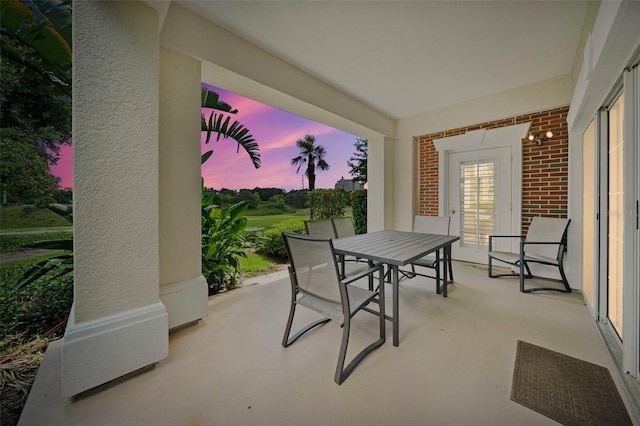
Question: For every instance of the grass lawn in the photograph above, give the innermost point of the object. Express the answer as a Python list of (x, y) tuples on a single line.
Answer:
[(256, 263), (270, 220), (267, 221), (27, 216)]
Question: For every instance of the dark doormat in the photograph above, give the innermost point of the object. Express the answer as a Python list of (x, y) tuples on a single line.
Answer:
[(566, 389)]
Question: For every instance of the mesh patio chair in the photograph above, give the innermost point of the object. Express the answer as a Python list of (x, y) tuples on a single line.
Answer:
[(543, 244), (343, 227), (321, 228), (439, 225), (316, 285)]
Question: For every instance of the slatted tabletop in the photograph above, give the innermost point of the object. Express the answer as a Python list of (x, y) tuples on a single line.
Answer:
[(392, 247), (395, 248)]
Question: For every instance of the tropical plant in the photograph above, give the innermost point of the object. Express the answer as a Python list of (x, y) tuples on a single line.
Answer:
[(36, 36), (218, 122), (312, 156), (62, 264), (222, 243), (358, 163), (223, 240)]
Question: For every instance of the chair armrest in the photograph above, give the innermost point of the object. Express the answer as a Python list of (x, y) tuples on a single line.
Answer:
[(560, 244), (360, 274), (491, 237)]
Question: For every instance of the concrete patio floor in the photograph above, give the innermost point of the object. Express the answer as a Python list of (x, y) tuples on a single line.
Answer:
[(454, 364)]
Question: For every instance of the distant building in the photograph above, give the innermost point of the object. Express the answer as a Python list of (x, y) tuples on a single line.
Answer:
[(348, 185)]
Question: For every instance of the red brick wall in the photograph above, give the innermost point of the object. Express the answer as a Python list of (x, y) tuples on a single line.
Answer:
[(544, 168)]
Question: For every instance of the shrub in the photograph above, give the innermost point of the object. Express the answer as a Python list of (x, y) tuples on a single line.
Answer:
[(298, 198), (35, 308), (44, 202), (359, 213), (271, 241), (20, 242), (326, 203)]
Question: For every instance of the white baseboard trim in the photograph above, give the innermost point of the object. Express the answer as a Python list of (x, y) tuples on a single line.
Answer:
[(96, 352), (185, 301)]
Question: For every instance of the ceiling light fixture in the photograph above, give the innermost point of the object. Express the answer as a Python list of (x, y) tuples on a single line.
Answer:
[(539, 138)]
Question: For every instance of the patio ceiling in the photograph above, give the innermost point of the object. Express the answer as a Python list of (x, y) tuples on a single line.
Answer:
[(405, 58)]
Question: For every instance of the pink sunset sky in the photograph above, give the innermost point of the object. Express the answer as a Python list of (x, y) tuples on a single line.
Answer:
[(276, 132)]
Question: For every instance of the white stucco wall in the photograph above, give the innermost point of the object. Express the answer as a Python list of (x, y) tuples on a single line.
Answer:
[(547, 94), (115, 144), (191, 35), (117, 324), (183, 288)]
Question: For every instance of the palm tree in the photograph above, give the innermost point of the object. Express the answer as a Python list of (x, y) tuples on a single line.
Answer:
[(313, 156)]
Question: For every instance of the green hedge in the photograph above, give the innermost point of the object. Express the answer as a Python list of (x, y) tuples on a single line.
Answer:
[(271, 241), (326, 203), (359, 203)]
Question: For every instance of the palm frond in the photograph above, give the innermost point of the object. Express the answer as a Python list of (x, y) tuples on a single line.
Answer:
[(237, 132)]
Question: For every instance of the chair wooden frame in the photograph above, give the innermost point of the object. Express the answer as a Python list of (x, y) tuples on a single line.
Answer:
[(522, 259), (352, 300)]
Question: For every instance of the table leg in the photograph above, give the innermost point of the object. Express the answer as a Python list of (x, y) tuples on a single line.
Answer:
[(396, 293), (438, 288), (446, 269)]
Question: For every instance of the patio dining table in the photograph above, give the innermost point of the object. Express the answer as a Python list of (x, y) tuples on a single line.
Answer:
[(395, 249)]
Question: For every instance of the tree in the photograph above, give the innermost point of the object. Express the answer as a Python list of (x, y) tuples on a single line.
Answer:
[(312, 156), (24, 168), (358, 163), (35, 89)]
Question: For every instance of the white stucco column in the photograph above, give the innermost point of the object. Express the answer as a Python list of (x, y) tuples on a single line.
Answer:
[(404, 183), (117, 324), (380, 184), (183, 289)]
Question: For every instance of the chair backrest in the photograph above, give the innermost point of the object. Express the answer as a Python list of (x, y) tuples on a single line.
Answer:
[(432, 224), (321, 228), (546, 229), (344, 227), (313, 266)]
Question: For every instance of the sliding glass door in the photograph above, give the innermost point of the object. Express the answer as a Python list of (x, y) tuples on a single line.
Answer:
[(615, 215)]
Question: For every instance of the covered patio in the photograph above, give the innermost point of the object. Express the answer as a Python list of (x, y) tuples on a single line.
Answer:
[(423, 82), (454, 364)]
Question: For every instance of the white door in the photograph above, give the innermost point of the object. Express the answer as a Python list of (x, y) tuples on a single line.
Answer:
[(480, 192)]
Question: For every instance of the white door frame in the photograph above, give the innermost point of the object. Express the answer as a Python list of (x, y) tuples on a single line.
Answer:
[(511, 137), (501, 159)]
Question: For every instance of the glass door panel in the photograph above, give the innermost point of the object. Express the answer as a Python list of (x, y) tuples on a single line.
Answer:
[(615, 217), (589, 212)]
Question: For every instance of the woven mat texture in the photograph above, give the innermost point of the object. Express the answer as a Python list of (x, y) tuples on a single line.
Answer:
[(566, 389)]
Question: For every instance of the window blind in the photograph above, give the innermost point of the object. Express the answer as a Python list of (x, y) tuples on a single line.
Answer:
[(477, 189)]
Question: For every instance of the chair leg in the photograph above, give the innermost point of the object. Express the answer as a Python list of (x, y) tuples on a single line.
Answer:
[(565, 283), (343, 372), (286, 341), (564, 279), (489, 270)]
